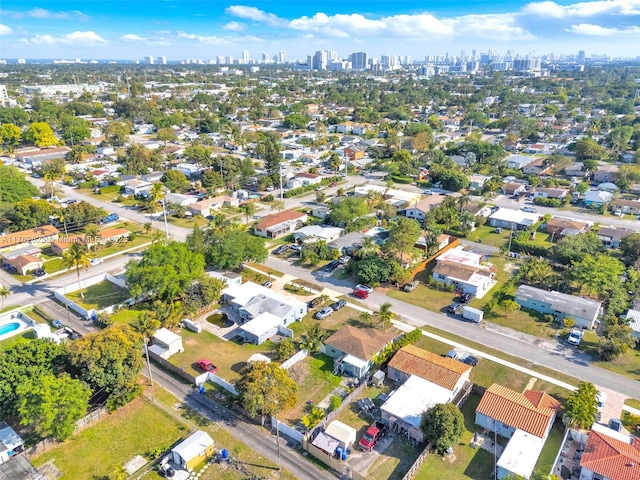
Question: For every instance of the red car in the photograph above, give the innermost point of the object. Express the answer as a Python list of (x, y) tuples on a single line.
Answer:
[(207, 365), (360, 294)]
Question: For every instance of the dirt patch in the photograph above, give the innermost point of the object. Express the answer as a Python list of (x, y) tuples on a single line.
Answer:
[(298, 371), (510, 268)]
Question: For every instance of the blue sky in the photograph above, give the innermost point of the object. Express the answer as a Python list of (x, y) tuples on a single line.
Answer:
[(179, 29)]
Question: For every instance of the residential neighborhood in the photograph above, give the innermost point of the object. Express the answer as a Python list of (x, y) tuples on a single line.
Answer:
[(268, 274)]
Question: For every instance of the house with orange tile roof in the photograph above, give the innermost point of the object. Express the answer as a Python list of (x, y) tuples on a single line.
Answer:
[(353, 349), (525, 419), (445, 372), (610, 455), (32, 236), (279, 224), (63, 243), (25, 263), (113, 234)]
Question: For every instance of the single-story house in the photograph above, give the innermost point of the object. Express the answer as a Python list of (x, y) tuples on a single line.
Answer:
[(303, 180), (404, 407), (476, 182), (633, 318), (24, 238), (420, 209), (113, 234), (320, 211), (193, 450), (28, 250), (166, 343), (179, 199), (626, 206), (608, 187), (518, 162), (153, 177), (537, 166), (575, 170), (313, 233), (562, 227), (524, 418), (596, 198), (353, 349), (512, 219), (445, 372), (348, 243), (442, 241), (584, 311), (513, 188), (345, 434), (232, 279), (606, 173), (279, 224), (464, 270), (554, 193), (612, 236), (11, 443), (610, 455), (37, 157), (261, 328), (137, 187), (25, 263), (62, 244), (207, 206), (251, 301)]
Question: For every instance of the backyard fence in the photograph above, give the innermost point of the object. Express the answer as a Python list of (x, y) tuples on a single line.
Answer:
[(287, 430), (179, 371), (418, 463), (332, 462), (301, 355), (48, 443), (223, 383)]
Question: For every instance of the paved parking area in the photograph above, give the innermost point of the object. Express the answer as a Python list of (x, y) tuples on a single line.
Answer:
[(612, 407), (361, 461)]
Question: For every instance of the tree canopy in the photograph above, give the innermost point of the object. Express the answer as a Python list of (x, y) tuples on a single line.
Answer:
[(40, 134), (232, 247), (14, 186), (581, 406), (443, 425)]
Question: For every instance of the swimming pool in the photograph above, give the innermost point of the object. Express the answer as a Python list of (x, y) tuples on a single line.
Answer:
[(13, 323), (9, 327)]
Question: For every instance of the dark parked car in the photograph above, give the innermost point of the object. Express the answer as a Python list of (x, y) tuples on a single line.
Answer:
[(332, 266), (313, 303), (267, 284), (454, 308), (166, 471), (38, 272), (281, 249), (470, 360), (466, 297), (338, 305)]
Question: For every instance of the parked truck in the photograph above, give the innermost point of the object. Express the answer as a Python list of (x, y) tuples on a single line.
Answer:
[(374, 433), (472, 314)]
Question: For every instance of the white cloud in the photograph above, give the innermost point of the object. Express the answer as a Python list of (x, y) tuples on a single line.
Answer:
[(4, 30), (208, 39), (599, 31), (131, 37), (41, 13), (84, 38), (255, 14), (234, 26), (496, 26), (583, 9)]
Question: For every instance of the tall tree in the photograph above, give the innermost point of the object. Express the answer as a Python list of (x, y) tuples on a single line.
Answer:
[(581, 406), (52, 405), (443, 425), (384, 314), (248, 209), (10, 136), (4, 293), (231, 248), (40, 134), (403, 235), (266, 388), (76, 257)]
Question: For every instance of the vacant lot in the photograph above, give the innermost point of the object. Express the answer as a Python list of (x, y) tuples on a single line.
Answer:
[(99, 296), (396, 461), (466, 461), (100, 450), (627, 364)]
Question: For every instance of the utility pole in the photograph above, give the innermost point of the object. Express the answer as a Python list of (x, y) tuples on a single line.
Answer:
[(146, 351), (346, 166), (511, 236), (164, 214), (281, 191)]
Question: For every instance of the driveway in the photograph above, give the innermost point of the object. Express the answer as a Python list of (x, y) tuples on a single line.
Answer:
[(361, 462), (612, 407)]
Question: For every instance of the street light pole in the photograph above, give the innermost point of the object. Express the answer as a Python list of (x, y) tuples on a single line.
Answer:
[(146, 351), (281, 191), (164, 213), (278, 438)]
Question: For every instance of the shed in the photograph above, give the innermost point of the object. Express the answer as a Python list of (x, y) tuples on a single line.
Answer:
[(168, 341), (377, 378), (193, 450), (345, 434), (10, 442), (258, 330), (258, 357), (326, 443)]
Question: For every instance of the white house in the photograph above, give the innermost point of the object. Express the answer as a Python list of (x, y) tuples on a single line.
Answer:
[(279, 224), (166, 343), (137, 187), (313, 233), (304, 180), (189, 169), (259, 329), (419, 210), (180, 199), (512, 219), (464, 270), (520, 455), (633, 317), (10, 442), (232, 279)]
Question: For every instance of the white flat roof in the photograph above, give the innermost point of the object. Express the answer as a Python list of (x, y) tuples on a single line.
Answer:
[(462, 256), (515, 216), (355, 361), (521, 453), (413, 398), (166, 336), (246, 291), (341, 431), (261, 324), (634, 317)]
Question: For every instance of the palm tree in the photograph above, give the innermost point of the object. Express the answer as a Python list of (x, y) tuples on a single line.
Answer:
[(156, 194), (92, 236), (365, 318), (368, 247), (277, 205), (248, 209), (463, 201), (157, 237), (4, 293), (314, 336), (147, 227), (384, 314), (320, 197), (75, 257), (64, 222), (146, 324)]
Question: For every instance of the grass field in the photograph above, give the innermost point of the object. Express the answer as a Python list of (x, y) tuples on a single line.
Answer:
[(99, 451), (466, 462), (99, 296), (627, 364), (395, 462), (551, 448)]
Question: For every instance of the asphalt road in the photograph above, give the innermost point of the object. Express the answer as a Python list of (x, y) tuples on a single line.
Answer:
[(251, 435), (539, 351)]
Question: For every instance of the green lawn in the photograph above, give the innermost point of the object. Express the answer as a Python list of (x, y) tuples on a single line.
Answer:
[(551, 448), (396, 461), (466, 462), (350, 415), (487, 235), (101, 449), (264, 269), (315, 381), (16, 339), (628, 364), (230, 357), (187, 222), (99, 296), (632, 402)]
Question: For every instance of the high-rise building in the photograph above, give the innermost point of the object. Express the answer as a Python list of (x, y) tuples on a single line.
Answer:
[(581, 56), (265, 57), (162, 60), (148, 60), (359, 60), (282, 57), (320, 60), (21, 61), (4, 95), (245, 57)]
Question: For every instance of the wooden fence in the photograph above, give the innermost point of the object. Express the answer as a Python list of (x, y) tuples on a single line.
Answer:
[(418, 463)]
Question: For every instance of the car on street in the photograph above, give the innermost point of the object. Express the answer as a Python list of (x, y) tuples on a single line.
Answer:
[(57, 324), (96, 261), (324, 313), (270, 188), (337, 305), (207, 365), (364, 287), (331, 266), (334, 184), (455, 308), (529, 209), (361, 294), (601, 399), (428, 192), (470, 360), (267, 284), (617, 212), (281, 249), (575, 337), (320, 188)]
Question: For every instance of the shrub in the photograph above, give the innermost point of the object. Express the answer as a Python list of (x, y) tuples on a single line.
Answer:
[(334, 402), (110, 189), (401, 179)]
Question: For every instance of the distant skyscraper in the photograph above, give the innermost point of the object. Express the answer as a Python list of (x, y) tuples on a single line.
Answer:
[(581, 56), (148, 60), (320, 60), (282, 57), (359, 60), (265, 57), (245, 57), (21, 61), (4, 96), (162, 60)]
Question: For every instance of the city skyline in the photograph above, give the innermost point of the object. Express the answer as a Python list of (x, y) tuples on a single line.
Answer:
[(195, 29)]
